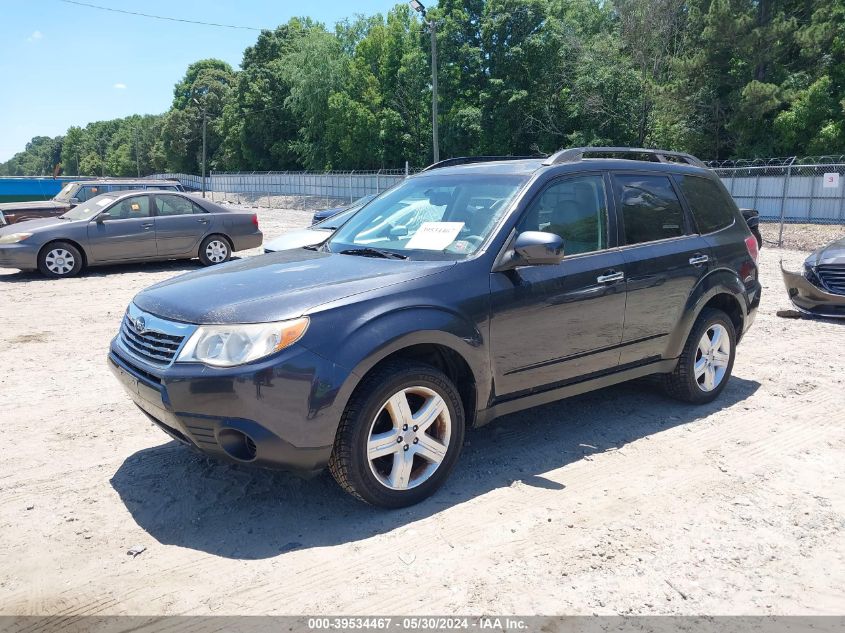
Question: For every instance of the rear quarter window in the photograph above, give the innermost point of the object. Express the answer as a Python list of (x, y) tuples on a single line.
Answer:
[(707, 201)]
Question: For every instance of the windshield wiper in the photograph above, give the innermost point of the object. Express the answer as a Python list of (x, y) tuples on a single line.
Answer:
[(373, 252)]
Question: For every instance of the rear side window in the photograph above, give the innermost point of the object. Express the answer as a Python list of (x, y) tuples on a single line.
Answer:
[(707, 202), (175, 205), (649, 207)]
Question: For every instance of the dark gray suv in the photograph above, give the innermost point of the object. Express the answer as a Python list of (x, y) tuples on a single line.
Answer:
[(471, 290)]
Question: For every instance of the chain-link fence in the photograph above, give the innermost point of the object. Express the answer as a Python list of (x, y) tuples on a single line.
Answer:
[(292, 189), (801, 200)]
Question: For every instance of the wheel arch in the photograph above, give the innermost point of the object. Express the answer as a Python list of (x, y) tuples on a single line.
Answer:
[(66, 240), (723, 290), (456, 351)]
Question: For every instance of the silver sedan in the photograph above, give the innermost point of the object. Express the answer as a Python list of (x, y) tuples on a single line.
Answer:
[(131, 226)]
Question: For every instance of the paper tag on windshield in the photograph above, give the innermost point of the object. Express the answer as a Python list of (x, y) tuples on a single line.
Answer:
[(104, 202), (435, 236)]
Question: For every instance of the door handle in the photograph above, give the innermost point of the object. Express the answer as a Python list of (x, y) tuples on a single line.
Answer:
[(147, 225), (698, 260), (201, 221), (610, 277)]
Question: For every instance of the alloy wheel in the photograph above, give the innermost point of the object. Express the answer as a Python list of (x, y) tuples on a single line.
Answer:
[(408, 438), (712, 357)]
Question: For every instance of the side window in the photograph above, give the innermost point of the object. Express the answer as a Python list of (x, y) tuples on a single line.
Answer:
[(161, 188), (711, 209), (131, 208), (649, 207), (575, 209), (89, 191), (175, 205)]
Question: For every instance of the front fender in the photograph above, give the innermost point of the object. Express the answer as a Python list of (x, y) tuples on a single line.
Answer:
[(719, 281), (367, 340)]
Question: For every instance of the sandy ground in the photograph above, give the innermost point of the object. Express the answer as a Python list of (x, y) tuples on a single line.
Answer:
[(620, 501)]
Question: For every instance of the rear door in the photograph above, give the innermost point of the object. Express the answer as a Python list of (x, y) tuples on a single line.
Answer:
[(180, 225), (128, 234), (665, 258)]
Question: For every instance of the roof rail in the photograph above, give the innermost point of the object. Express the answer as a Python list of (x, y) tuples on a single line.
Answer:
[(576, 154), (466, 160)]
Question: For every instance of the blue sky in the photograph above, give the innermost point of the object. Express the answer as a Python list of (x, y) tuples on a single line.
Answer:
[(64, 65)]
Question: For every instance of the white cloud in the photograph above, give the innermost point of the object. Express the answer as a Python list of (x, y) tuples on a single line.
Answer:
[(119, 86), (36, 35)]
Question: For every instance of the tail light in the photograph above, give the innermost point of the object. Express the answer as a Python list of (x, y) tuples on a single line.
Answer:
[(751, 245), (255, 222)]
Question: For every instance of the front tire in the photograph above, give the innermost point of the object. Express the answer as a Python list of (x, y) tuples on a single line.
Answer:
[(705, 365), (215, 249), (60, 259), (400, 435)]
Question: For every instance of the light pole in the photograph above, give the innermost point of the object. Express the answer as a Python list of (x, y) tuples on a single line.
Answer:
[(419, 7), (204, 120)]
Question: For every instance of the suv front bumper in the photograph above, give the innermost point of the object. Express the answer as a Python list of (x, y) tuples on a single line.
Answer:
[(281, 413)]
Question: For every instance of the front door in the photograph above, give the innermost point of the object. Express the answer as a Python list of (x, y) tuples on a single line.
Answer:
[(664, 258), (555, 324), (129, 232)]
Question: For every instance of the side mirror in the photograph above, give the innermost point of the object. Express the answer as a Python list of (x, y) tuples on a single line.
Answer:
[(534, 248), (74, 201), (103, 217)]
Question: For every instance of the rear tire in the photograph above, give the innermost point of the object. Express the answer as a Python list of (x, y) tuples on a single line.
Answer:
[(400, 435), (705, 365), (215, 249), (60, 259)]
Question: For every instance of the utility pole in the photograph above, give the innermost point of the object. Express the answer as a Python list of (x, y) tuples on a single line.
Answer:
[(432, 25), (204, 124), (137, 154), (418, 6)]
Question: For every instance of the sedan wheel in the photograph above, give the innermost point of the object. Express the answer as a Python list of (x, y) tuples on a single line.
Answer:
[(60, 259), (214, 249), (400, 435)]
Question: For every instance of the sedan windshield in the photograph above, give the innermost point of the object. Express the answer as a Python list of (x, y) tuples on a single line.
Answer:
[(88, 210), (429, 217)]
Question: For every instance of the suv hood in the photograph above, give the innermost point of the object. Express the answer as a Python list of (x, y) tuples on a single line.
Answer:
[(833, 253), (35, 205), (275, 286)]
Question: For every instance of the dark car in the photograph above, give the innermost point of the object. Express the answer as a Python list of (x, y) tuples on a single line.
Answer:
[(129, 226), (820, 289), (74, 193), (752, 219), (324, 214), (517, 283)]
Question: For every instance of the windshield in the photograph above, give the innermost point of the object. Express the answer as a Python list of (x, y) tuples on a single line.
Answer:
[(66, 193), (88, 210), (431, 217)]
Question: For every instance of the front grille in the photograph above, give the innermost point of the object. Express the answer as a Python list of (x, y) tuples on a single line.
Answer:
[(152, 346), (833, 277)]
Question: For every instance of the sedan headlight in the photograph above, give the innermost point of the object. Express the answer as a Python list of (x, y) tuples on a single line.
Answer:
[(14, 238), (236, 344)]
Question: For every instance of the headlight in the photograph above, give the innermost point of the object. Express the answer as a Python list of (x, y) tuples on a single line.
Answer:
[(14, 238), (228, 345)]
